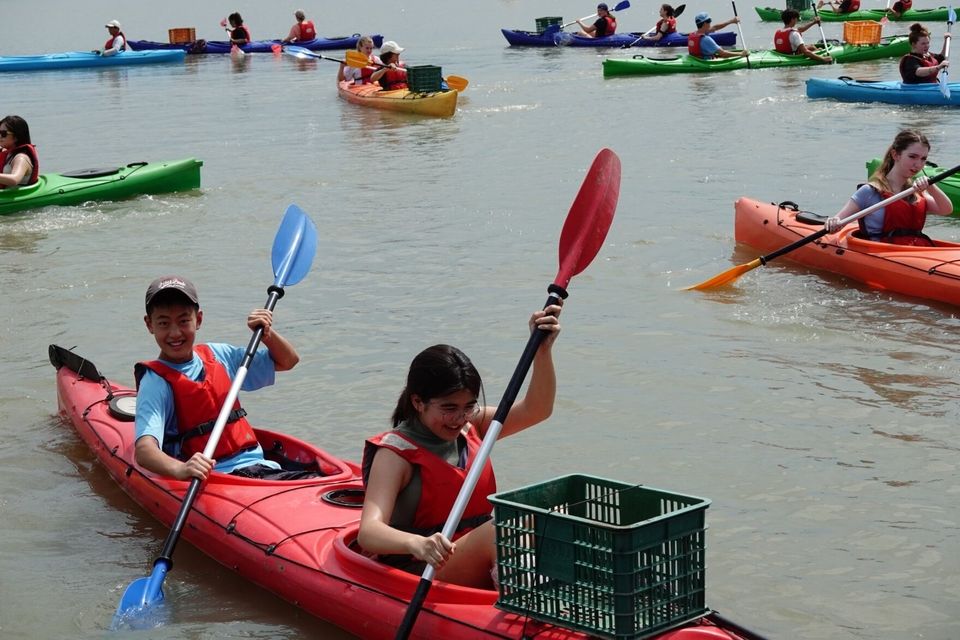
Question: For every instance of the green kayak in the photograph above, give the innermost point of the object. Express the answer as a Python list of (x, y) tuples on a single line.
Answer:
[(770, 14), (77, 187), (949, 185), (890, 47)]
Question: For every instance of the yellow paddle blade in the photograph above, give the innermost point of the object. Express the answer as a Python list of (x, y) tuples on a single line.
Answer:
[(726, 277), (357, 59), (457, 82)]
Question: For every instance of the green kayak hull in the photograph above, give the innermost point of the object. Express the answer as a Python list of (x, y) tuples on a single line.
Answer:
[(949, 185), (771, 14), (890, 47), (78, 187)]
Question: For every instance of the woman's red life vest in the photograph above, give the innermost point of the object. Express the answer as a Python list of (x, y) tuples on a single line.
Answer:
[(307, 30), (849, 6), (441, 481), (903, 221), (198, 404), (781, 40), (693, 43), (671, 24), (109, 43), (31, 152), (925, 61), (611, 25)]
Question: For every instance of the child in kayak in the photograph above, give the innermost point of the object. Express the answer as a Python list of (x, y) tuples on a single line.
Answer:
[(920, 65), (701, 45), (844, 6), (239, 33), (180, 394), (19, 164), (666, 25), (356, 76), (789, 40), (605, 25), (392, 75), (900, 6), (413, 472), (899, 222)]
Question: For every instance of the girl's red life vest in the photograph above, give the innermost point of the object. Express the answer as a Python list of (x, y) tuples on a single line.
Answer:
[(440, 480), (307, 30), (31, 152), (903, 221), (394, 79), (693, 43), (197, 404), (671, 24), (109, 43), (781, 40), (925, 61), (849, 6), (611, 25)]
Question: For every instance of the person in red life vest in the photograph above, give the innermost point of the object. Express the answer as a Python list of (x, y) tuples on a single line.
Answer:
[(701, 45), (789, 40), (303, 30), (180, 394), (116, 43), (414, 472), (239, 33), (354, 75), (920, 65), (900, 222), (844, 6), (666, 25), (899, 7), (391, 75), (19, 164), (605, 25)]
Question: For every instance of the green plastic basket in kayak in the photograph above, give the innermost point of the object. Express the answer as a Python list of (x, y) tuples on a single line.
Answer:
[(609, 558), (549, 21), (424, 78)]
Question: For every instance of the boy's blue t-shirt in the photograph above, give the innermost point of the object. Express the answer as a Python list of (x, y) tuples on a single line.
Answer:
[(708, 47), (156, 415)]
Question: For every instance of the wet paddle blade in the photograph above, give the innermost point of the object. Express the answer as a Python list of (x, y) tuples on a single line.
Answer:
[(457, 82), (357, 60), (726, 277), (590, 216), (294, 247)]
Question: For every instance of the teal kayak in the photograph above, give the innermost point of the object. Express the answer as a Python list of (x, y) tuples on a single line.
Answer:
[(77, 187), (84, 59), (771, 14), (949, 185), (893, 46)]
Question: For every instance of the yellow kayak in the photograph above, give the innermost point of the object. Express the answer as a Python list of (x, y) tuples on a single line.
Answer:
[(442, 104)]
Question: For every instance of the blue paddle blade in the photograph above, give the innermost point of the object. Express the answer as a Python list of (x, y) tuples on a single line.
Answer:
[(141, 594), (623, 5), (294, 247)]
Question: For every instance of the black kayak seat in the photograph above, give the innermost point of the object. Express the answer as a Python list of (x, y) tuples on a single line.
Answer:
[(92, 173)]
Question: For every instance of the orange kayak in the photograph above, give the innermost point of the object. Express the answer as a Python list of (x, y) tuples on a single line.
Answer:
[(924, 272), (442, 104)]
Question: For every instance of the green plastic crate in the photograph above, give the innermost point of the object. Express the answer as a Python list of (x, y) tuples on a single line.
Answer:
[(609, 558), (549, 21), (424, 78)]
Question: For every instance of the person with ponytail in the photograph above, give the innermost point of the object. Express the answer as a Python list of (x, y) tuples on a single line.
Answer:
[(900, 222), (605, 25), (360, 76), (414, 472), (920, 65), (19, 164), (666, 25)]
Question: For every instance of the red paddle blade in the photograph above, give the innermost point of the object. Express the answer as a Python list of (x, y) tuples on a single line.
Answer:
[(590, 217)]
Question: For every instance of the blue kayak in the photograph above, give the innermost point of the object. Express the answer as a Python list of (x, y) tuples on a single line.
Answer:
[(83, 59), (567, 39), (257, 46), (849, 90)]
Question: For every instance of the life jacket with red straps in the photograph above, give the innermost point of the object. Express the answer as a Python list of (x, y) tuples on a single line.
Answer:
[(693, 43), (671, 24), (197, 404), (781, 40), (440, 480), (903, 221), (31, 152), (611, 26), (109, 43), (925, 61), (849, 6), (394, 79), (307, 30)]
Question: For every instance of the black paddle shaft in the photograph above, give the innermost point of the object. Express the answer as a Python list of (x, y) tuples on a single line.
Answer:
[(166, 554)]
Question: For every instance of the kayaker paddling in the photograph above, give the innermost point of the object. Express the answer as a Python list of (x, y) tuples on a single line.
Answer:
[(19, 164), (701, 45), (920, 65), (356, 75), (844, 6), (392, 75), (604, 25), (789, 39), (414, 472), (666, 25), (900, 222), (239, 33), (116, 43)]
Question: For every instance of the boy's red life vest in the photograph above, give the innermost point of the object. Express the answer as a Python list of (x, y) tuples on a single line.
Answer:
[(781, 40), (31, 152), (198, 404), (394, 79), (441, 482), (693, 43)]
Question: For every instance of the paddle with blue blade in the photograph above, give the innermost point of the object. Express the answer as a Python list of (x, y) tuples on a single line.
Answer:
[(945, 72), (730, 275), (554, 28), (293, 249), (582, 236)]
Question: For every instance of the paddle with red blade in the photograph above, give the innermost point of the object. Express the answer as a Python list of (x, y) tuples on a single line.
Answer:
[(730, 275), (583, 234)]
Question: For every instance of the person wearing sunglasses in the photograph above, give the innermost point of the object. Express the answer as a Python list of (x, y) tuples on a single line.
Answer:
[(18, 157), (414, 472)]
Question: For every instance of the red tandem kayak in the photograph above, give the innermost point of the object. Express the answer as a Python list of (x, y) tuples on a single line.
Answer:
[(297, 538), (924, 272)]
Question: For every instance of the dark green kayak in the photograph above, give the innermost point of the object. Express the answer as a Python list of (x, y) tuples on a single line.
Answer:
[(893, 46), (949, 185), (771, 14), (77, 187)]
